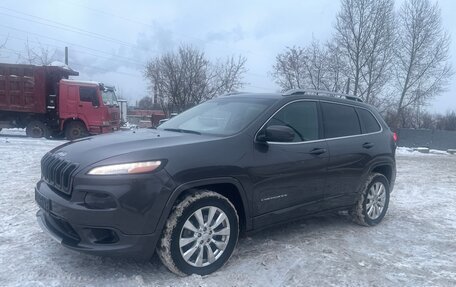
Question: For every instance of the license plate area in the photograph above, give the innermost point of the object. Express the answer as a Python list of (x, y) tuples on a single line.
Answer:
[(43, 202)]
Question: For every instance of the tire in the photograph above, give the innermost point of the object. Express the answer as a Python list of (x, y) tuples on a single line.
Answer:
[(373, 202), (75, 130), (177, 240), (37, 129)]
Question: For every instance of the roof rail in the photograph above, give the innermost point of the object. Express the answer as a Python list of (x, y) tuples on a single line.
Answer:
[(323, 93)]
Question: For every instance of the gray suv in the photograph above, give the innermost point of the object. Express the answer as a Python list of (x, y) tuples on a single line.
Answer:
[(228, 166)]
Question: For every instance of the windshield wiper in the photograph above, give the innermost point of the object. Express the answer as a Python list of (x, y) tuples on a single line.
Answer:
[(182, 131)]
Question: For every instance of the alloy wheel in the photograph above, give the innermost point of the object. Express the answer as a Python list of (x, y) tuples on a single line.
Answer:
[(204, 236), (376, 199)]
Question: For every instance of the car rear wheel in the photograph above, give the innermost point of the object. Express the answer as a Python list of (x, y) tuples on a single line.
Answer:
[(373, 203), (200, 234)]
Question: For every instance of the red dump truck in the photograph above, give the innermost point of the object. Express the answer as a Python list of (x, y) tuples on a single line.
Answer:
[(42, 100)]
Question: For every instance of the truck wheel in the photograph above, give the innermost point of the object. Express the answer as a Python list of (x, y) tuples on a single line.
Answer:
[(37, 129), (75, 130), (373, 203), (200, 234)]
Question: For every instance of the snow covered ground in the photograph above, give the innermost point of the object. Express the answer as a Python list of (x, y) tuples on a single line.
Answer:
[(414, 246)]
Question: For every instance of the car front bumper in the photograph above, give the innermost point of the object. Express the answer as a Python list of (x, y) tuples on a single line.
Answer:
[(125, 229), (80, 238)]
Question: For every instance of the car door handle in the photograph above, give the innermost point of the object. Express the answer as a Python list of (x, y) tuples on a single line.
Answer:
[(368, 145), (318, 151)]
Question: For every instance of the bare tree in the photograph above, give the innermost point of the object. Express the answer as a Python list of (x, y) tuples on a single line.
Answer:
[(182, 79), (288, 71), (422, 70), (146, 103), (365, 36), (39, 55), (313, 67), (335, 77)]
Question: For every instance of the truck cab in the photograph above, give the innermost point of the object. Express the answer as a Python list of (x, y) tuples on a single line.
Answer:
[(87, 107)]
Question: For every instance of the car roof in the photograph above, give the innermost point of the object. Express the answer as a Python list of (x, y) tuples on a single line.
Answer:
[(287, 98)]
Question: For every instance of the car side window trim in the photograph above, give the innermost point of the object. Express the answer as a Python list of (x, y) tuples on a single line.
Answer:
[(320, 116)]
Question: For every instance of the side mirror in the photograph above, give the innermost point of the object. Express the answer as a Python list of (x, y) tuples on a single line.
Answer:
[(276, 134)]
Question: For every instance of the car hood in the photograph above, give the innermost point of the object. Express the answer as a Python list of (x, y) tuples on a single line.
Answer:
[(126, 146)]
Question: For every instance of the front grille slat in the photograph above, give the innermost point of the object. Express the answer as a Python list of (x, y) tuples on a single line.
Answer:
[(57, 172), (52, 165), (66, 175)]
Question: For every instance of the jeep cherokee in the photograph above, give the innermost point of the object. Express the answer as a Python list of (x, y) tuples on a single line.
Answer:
[(227, 166)]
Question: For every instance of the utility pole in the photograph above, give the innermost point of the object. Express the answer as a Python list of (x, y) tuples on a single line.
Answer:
[(66, 56)]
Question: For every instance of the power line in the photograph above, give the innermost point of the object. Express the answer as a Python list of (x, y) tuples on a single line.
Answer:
[(18, 53), (125, 59), (111, 56), (66, 27), (126, 19), (92, 34), (61, 41), (141, 23)]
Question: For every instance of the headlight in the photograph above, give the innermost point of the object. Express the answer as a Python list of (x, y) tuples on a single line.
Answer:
[(126, 168)]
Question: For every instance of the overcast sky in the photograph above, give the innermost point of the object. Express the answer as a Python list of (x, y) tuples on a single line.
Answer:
[(110, 41)]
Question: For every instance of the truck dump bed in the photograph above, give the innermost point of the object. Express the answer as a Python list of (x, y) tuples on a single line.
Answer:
[(24, 88)]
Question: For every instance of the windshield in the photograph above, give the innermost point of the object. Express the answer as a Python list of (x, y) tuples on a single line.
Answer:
[(218, 117), (109, 98)]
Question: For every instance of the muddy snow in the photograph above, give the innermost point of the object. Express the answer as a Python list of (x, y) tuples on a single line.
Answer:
[(415, 245)]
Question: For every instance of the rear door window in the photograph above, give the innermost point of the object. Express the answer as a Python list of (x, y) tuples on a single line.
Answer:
[(368, 121), (340, 120), (301, 117)]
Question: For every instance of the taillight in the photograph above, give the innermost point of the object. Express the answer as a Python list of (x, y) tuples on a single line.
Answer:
[(395, 137)]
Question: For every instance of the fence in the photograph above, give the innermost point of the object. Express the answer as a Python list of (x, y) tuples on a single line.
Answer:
[(435, 139)]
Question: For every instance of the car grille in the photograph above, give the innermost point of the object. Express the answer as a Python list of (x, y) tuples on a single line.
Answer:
[(57, 172)]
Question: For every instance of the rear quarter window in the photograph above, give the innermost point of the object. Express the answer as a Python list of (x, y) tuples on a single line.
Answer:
[(368, 121)]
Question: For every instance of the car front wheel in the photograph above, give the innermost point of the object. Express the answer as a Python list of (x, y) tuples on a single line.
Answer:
[(200, 234)]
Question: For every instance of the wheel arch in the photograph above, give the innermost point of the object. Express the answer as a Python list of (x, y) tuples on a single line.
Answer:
[(386, 168), (67, 121), (226, 186)]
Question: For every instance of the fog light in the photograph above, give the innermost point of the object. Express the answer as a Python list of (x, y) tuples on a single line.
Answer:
[(99, 201), (101, 235)]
